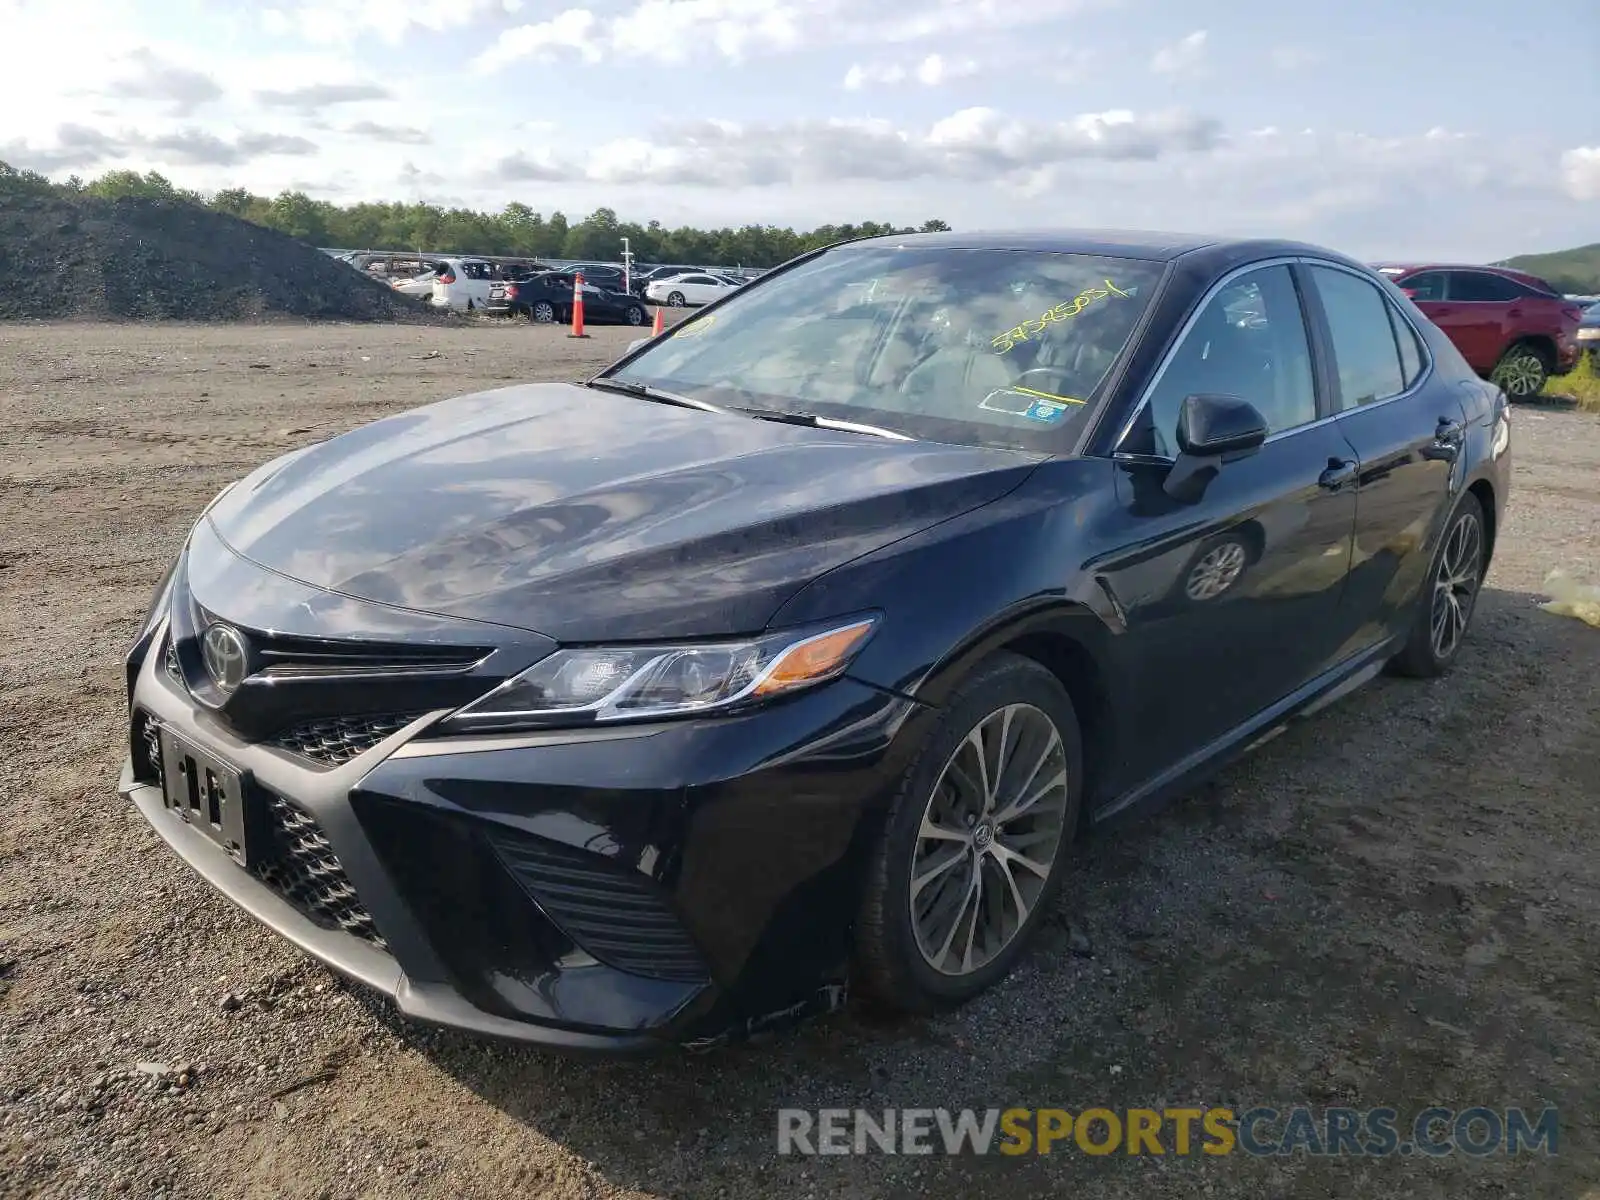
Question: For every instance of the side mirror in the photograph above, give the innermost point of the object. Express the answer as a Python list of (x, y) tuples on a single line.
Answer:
[(1211, 425), (1211, 428)]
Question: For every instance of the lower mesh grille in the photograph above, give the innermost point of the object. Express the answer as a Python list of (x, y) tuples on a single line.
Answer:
[(333, 741), (617, 915), (145, 744), (300, 865)]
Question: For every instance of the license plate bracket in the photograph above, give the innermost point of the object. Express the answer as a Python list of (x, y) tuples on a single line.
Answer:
[(208, 793)]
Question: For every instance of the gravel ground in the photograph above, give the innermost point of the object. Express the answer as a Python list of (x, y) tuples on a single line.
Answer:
[(1394, 904)]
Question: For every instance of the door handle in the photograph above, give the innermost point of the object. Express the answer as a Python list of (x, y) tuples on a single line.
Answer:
[(1339, 472), (1513, 312)]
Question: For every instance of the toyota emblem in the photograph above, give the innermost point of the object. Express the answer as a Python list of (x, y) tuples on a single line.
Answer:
[(223, 650)]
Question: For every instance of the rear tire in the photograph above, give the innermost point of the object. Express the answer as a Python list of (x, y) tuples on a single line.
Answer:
[(948, 846), (1449, 595), (635, 315), (542, 313), (1522, 371), (676, 300)]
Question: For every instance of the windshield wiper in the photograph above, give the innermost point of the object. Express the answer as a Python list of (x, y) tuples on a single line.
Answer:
[(645, 392), (813, 421)]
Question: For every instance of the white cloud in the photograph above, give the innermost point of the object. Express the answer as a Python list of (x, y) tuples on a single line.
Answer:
[(336, 21), (1580, 172), (1182, 57), (572, 30), (675, 30), (931, 71), (678, 31), (972, 145), (859, 76)]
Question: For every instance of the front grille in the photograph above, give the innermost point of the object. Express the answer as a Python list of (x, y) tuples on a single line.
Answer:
[(333, 741), (619, 916), (299, 864)]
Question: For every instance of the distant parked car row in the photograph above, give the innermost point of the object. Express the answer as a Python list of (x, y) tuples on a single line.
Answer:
[(1512, 328), (543, 293)]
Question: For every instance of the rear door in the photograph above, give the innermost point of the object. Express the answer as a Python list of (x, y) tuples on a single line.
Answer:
[(1406, 425), (1232, 601), (1480, 305)]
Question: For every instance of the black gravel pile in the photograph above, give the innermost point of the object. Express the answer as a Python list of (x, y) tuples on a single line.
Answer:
[(67, 256)]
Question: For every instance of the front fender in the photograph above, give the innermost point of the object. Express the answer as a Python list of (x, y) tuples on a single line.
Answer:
[(1012, 571)]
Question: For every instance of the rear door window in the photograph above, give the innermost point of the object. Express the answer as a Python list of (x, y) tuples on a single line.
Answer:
[(1481, 287), (1365, 352), (1411, 358)]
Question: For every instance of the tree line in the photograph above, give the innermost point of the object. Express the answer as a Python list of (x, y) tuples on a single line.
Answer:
[(516, 229)]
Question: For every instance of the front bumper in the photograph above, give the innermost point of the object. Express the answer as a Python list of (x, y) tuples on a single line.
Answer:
[(619, 890)]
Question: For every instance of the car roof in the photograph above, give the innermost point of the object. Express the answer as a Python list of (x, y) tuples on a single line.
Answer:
[(1506, 272), (1153, 245)]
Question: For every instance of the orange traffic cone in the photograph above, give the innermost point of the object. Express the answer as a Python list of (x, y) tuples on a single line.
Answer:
[(577, 307), (660, 325)]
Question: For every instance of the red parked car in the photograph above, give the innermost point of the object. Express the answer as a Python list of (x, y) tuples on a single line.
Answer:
[(1511, 327)]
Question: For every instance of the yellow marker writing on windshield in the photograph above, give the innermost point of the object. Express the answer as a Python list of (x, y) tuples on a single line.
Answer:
[(1064, 311), (1028, 391)]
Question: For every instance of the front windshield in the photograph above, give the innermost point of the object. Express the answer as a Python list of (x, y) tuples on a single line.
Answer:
[(982, 347)]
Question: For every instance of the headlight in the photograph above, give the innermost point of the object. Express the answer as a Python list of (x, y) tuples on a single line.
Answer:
[(631, 683)]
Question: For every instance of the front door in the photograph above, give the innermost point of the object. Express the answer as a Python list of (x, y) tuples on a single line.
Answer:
[(1232, 600)]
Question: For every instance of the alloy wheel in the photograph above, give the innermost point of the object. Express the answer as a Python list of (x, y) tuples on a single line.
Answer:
[(1520, 374), (1216, 572), (635, 315), (544, 312), (988, 840), (1455, 586), (675, 300)]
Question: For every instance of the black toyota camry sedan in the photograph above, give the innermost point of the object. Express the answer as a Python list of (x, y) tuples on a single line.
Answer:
[(788, 654)]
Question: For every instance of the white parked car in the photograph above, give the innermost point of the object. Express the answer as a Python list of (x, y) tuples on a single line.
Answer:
[(688, 290), (461, 283), (419, 286)]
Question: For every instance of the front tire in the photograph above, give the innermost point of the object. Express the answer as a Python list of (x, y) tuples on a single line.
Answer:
[(1521, 372), (973, 850), (1450, 595)]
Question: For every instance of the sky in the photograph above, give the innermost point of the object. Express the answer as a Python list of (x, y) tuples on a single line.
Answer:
[(1463, 129)]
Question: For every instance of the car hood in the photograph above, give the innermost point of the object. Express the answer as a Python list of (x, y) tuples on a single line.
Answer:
[(583, 514)]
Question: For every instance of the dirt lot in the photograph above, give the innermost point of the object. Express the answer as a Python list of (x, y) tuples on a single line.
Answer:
[(1395, 904)]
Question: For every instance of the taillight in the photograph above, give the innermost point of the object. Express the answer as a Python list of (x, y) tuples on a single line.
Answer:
[(447, 278), (511, 291)]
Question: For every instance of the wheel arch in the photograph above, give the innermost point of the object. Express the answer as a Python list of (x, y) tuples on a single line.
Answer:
[(1483, 490), (1070, 640), (1541, 343)]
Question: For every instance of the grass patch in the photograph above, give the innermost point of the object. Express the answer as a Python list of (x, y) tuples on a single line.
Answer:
[(1582, 384)]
